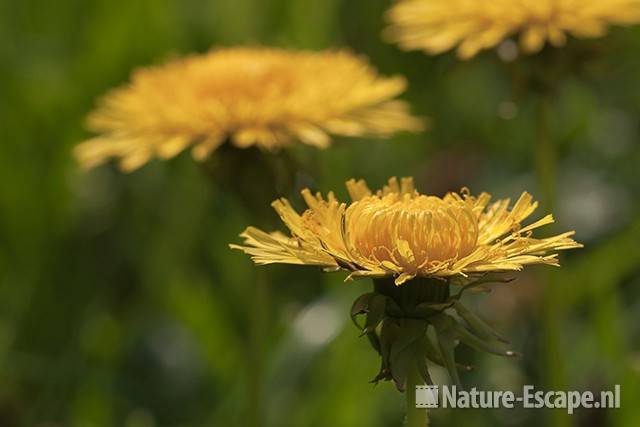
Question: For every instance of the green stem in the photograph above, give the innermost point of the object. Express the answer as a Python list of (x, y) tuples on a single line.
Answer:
[(553, 300), (416, 417), (545, 154), (264, 177), (257, 346)]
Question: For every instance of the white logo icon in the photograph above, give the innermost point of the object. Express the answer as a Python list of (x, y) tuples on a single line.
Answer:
[(427, 396)]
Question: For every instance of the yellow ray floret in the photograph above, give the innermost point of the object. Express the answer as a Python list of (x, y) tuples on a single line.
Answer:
[(437, 26), (265, 97), (401, 233)]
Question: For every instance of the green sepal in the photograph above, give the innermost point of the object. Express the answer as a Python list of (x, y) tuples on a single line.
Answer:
[(402, 349), (400, 367), (401, 363), (427, 309), (419, 355), (374, 341), (360, 306), (432, 352), (411, 330), (389, 332), (393, 309), (478, 285), (477, 324), (375, 313), (474, 342), (447, 343), (482, 280), (397, 323)]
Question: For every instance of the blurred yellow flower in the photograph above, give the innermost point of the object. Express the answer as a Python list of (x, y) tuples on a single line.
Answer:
[(248, 96), (398, 232), (436, 26)]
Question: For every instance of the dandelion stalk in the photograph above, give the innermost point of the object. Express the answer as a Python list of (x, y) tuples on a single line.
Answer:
[(545, 155), (265, 176), (545, 165), (416, 417), (257, 348)]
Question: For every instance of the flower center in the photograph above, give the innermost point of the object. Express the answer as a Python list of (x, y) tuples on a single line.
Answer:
[(411, 231)]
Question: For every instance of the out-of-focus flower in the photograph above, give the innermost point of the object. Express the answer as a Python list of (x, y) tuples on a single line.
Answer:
[(398, 232), (436, 26), (265, 97)]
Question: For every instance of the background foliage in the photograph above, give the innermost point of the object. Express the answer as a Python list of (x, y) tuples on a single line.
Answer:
[(121, 305)]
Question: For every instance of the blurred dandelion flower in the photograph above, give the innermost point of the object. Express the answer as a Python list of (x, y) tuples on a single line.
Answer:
[(262, 97), (400, 233), (436, 26)]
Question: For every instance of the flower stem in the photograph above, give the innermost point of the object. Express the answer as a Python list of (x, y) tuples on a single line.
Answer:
[(545, 154), (256, 179), (553, 301), (416, 417), (257, 348)]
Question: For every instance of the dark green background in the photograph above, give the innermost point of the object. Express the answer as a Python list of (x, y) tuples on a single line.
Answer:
[(121, 305)]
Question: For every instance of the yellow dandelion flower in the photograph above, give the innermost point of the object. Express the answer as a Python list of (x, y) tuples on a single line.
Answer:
[(436, 26), (398, 232), (262, 97), (427, 244)]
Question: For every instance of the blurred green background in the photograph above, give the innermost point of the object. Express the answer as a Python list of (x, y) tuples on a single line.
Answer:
[(121, 304)]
